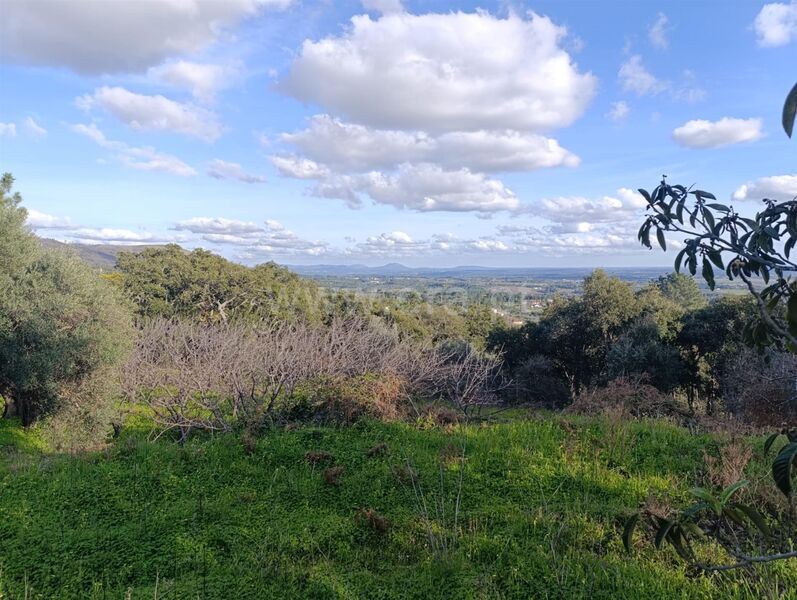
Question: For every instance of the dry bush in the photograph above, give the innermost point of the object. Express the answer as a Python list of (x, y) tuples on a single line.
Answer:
[(728, 467), (632, 395), (200, 376), (378, 450), (317, 457), (761, 389), (373, 520), (346, 400), (332, 475)]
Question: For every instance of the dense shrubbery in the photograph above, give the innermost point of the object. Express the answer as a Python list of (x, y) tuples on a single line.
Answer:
[(62, 332), (666, 336)]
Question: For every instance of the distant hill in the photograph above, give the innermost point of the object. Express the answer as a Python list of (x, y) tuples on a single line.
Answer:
[(539, 273), (101, 256)]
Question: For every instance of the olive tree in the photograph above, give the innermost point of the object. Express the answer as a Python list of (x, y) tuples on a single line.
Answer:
[(62, 328)]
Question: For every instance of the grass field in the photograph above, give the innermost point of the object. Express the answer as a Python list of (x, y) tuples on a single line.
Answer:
[(539, 515)]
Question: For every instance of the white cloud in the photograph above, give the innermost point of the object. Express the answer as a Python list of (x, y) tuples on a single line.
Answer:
[(218, 225), (349, 147), (220, 169), (700, 133), (203, 80), (116, 36), (254, 241), (385, 7), (577, 209), (776, 24), (488, 245), (634, 77), (40, 220), (107, 235), (619, 111), (777, 187), (140, 158), (658, 32), (34, 128), (423, 187), (154, 113), (299, 168), (472, 72), (8, 130)]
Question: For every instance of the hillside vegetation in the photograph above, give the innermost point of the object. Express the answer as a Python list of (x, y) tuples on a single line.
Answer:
[(224, 518)]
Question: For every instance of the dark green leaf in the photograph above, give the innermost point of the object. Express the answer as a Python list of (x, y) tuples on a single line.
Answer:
[(756, 518), (660, 238), (719, 207), (769, 441), (781, 468), (790, 111), (664, 528), (628, 532), (708, 273), (732, 489)]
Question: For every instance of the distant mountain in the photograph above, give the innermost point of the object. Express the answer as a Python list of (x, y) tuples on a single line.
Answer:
[(101, 256)]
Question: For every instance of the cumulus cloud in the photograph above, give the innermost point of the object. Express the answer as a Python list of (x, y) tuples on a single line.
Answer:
[(570, 211), (107, 235), (8, 130), (619, 111), (203, 80), (700, 133), (423, 187), (634, 77), (252, 240), (40, 220), (153, 113), (218, 225), (400, 244), (350, 147), (299, 168), (114, 37), (34, 128), (657, 34), (777, 187), (220, 169), (473, 71), (141, 158), (776, 24)]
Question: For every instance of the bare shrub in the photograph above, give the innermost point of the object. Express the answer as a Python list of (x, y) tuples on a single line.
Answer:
[(211, 377), (332, 475), (373, 520), (762, 389), (634, 396), (728, 467), (315, 458), (378, 450)]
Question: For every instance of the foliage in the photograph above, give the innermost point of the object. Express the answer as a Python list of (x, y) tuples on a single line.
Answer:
[(211, 519), (790, 111), (62, 329), (170, 282), (721, 238), (745, 535)]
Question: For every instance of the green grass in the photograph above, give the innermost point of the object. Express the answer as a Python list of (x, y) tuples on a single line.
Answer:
[(539, 518)]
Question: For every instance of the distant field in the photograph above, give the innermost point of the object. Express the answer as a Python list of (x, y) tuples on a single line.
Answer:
[(539, 515)]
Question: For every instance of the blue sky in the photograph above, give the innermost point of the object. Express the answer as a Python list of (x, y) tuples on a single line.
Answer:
[(424, 132)]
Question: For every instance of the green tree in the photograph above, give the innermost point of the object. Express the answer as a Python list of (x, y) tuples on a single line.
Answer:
[(171, 282), (682, 290), (62, 328)]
